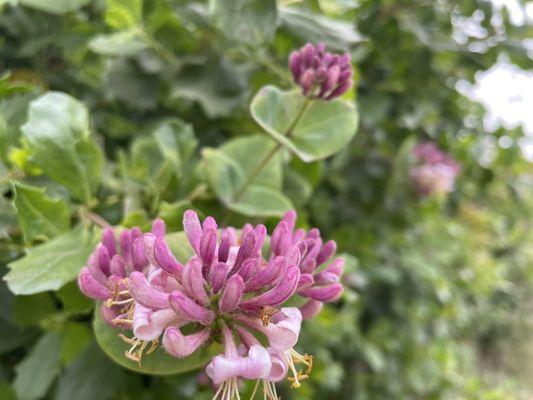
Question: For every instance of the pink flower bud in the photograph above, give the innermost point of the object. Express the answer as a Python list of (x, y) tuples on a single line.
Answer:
[(232, 294), (187, 309), (91, 287)]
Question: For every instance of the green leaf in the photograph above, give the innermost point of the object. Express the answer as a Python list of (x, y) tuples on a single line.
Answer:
[(180, 246), (248, 153), (296, 187), (12, 336), (225, 175), (119, 44), (39, 215), (249, 21), (50, 265), (227, 178), (30, 310), (176, 141), (73, 300), (121, 14), (215, 84), (55, 6), (91, 376), (157, 363), (323, 129), (38, 370), (59, 137), (172, 213), (260, 201), (75, 337), (6, 391), (314, 28)]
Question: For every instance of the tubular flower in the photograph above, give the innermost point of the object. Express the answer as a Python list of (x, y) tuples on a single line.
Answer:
[(320, 74), (434, 171), (227, 291)]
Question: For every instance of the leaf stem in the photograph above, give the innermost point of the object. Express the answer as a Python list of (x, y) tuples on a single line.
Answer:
[(153, 43), (94, 218), (259, 167), (9, 176)]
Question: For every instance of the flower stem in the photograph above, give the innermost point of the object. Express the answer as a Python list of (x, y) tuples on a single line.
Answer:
[(262, 164)]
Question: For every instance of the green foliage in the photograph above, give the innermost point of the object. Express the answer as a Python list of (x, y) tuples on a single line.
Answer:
[(39, 215), (59, 138), (119, 111), (253, 22), (38, 370), (312, 130), (52, 264)]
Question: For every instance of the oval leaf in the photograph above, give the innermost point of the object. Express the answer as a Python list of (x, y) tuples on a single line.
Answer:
[(52, 264), (228, 179), (323, 130), (39, 215), (260, 201), (156, 363), (60, 140), (249, 151)]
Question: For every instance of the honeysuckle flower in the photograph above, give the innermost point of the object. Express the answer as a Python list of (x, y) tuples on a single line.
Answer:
[(306, 249), (434, 171), (105, 275), (227, 289), (321, 74)]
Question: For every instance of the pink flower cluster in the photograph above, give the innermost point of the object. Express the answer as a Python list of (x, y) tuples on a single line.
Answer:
[(321, 74), (227, 292), (434, 171)]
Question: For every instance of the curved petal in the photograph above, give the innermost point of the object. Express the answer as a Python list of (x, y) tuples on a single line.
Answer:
[(179, 345), (165, 259), (279, 369), (188, 309), (145, 294), (282, 334), (267, 274), (149, 324), (256, 365), (278, 294)]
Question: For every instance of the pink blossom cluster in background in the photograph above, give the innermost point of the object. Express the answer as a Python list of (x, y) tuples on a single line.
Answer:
[(434, 171)]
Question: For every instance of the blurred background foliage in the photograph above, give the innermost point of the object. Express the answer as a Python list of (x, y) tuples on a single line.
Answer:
[(438, 290)]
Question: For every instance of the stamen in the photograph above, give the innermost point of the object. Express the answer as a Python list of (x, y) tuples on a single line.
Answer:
[(136, 355), (152, 347), (269, 390), (119, 320), (111, 302), (228, 390), (267, 313), (255, 390), (292, 358)]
